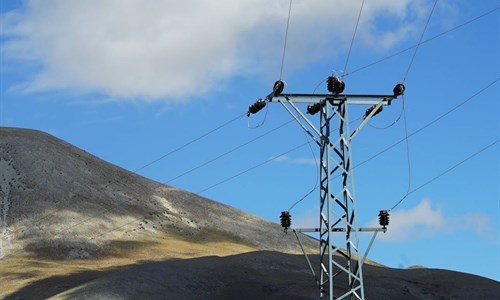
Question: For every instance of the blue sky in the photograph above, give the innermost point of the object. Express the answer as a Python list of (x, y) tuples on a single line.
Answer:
[(130, 82)]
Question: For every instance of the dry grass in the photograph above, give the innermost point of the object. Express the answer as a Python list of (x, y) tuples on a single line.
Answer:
[(22, 268)]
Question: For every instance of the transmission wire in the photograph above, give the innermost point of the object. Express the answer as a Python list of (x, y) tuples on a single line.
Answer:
[(353, 36), (356, 166), (423, 42), (407, 143), (316, 182), (190, 142), (408, 160), (228, 152), (286, 39), (446, 172), (407, 136), (252, 168), (419, 41), (430, 123)]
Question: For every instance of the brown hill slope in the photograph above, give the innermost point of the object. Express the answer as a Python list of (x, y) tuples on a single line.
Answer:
[(74, 226), (58, 202)]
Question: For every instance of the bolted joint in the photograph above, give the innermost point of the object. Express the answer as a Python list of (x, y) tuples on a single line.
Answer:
[(256, 106)]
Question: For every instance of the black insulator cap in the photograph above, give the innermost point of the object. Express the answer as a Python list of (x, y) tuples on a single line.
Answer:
[(335, 85), (278, 87), (399, 89), (258, 105), (383, 218), (313, 108), (369, 111), (286, 219)]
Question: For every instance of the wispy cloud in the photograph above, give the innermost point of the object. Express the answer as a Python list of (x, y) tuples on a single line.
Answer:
[(427, 220), (171, 50), (479, 223), (298, 160), (97, 120), (309, 218), (419, 222)]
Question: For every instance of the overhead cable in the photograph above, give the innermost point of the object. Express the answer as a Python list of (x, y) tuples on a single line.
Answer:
[(353, 36), (190, 142), (228, 152), (419, 41), (368, 159), (302, 145), (252, 168), (286, 39), (447, 171), (431, 123), (423, 42)]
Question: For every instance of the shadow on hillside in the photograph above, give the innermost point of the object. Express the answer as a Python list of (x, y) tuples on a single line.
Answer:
[(256, 275), (63, 248)]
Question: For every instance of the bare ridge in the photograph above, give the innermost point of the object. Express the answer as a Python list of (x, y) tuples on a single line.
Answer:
[(76, 227)]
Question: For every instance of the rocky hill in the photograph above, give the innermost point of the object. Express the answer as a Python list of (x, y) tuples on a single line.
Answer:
[(74, 226)]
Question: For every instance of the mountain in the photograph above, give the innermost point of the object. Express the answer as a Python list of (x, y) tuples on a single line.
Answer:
[(76, 227)]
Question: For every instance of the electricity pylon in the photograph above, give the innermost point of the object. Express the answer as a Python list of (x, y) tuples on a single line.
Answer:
[(338, 212)]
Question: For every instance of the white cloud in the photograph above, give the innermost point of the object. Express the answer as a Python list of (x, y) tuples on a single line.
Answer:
[(424, 221), (419, 222), (282, 158), (479, 223), (171, 50), (298, 160), (308, 218)]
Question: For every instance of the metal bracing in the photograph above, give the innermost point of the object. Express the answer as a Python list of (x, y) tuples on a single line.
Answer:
[(341, 259)]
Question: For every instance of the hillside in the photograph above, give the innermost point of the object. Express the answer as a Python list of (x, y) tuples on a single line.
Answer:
[(75, 226)]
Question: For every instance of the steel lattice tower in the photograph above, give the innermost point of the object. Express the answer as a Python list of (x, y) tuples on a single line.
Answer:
[(341, 261)]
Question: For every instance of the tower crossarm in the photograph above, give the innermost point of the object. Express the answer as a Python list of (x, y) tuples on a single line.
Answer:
[(337, 209)]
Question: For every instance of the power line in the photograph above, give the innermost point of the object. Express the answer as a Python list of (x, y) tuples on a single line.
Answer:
[(302, 145), (262, 163), (286, 39), (353, 36), (422, 185), (419, 41), (228, 152), (370, 158), (423, 42), (430, 123), (190, 142), (359, 69), (446, 171), (252, 168), (354, 71), (303, 197), (408, 160), (407, 136)]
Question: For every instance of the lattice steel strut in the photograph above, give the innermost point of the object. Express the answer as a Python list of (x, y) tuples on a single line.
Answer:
[(338, 211)]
